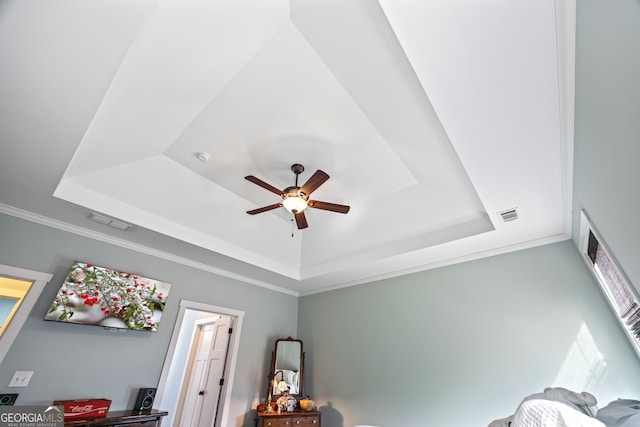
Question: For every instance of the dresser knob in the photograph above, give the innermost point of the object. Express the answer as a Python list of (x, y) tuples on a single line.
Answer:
[(298, 422), (315, 421), (269, 423)]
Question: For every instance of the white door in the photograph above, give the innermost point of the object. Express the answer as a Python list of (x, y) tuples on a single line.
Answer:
[(206, 372)]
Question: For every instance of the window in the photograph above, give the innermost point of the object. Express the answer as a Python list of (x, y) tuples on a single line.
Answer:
[(620, 292), (37, 282)]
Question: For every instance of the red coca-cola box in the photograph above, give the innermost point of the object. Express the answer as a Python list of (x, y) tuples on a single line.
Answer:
[(84, 408)]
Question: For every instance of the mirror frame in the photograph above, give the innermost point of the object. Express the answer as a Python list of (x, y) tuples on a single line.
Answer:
[(273, 369)]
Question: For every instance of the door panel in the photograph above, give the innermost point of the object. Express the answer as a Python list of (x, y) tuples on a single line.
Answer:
[(197, 379), (207, 368), (217, 360)]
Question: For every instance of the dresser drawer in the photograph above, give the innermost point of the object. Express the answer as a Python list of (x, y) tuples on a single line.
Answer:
[(312, 421), (276, 422)]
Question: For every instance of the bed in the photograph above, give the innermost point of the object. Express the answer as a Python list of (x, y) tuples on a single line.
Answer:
[(559, 407)]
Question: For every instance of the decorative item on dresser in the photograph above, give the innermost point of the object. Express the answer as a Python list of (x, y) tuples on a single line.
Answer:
[(128, 418)]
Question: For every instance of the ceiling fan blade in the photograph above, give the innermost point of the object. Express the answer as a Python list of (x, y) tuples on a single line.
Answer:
[(333, 207), (263, 184), (301, 220), (264, 209), (316, 180)]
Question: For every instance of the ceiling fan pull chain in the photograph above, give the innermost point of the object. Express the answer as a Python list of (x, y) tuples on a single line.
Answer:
[(293, 229)]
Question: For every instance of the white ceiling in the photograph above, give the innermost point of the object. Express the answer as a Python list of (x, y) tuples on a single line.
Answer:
[(431, 117)]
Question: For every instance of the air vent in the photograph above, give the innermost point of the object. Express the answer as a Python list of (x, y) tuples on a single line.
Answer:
[(509, 215), (102, 219)]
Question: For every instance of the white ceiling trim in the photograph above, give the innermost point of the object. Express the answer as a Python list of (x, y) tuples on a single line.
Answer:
[(125, 244), (378, 274)]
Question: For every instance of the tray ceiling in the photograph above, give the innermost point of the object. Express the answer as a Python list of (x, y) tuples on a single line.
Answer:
[(430, 117)]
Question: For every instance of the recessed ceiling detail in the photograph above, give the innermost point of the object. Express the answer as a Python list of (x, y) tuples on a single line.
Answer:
[(417, 111), (299, 94)]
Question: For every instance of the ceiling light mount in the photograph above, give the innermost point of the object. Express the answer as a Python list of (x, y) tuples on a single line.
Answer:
[(203, 157), (297, 168)]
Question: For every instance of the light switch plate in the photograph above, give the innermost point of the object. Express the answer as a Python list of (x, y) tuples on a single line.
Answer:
[(20, 379)]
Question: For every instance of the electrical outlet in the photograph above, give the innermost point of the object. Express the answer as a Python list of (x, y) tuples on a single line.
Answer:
[(20, 379)]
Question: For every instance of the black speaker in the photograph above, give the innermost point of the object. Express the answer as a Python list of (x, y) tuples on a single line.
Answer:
[(144, 402), (8, 399)]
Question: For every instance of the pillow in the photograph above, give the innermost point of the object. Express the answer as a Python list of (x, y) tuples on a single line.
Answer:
[(620, 413), (584, 402)]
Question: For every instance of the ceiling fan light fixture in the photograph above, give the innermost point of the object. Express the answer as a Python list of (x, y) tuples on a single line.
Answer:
[(294, 203), (295, 199)]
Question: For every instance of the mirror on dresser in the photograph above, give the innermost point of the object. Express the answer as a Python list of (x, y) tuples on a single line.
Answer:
[(286, 379), (287, 368)]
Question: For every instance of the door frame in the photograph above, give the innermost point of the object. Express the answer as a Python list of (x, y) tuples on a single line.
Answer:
[(173, 358)]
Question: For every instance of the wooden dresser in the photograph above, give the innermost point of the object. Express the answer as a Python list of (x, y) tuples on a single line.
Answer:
[(289, 419), (151, 418)]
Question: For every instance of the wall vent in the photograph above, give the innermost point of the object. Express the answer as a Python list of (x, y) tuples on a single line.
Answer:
[(102, 219), (509, 215)]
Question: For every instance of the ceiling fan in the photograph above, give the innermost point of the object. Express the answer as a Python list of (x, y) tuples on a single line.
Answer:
[(296, 199)]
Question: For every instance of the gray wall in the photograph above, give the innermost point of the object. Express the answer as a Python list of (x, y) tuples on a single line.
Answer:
[(462, 345), (607, 125), (76, 361)]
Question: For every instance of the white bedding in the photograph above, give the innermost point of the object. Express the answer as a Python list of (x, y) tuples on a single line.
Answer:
[(547, 413)]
